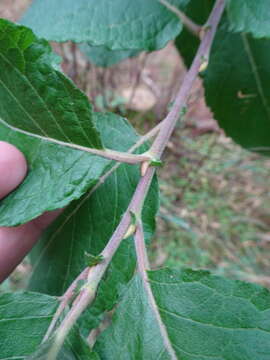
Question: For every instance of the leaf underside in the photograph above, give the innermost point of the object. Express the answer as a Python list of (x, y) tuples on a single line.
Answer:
[(87, 224), (118, 25), (37, 98), (206, 317), (24, 319), (56, 176)]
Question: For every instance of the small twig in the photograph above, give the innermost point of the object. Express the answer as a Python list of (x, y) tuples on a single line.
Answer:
[(64, 302), (140, 142), (101, 180), (74, 70), (138, 79), (179, 105), (84, 274), (194, 28), (69, 321), (87, 295), (146, 79), (84, 78)]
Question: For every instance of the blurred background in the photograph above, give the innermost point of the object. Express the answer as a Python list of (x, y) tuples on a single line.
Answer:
[(215, 197)]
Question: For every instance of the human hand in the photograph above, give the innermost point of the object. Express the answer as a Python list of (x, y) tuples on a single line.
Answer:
[(16, 242)]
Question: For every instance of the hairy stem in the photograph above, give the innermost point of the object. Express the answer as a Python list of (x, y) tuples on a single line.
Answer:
[(65, 299), (152, 133), (170, 121), (142, 258), (96, 273), (157, 150)]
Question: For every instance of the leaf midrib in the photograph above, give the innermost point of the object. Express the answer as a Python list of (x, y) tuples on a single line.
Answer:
[(162, 327), (35, 91), (43, 102)]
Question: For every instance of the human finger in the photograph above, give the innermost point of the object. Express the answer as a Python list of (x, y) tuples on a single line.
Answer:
[(13, 168)]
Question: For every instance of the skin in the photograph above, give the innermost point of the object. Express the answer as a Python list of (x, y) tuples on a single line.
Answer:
[(16, 242)]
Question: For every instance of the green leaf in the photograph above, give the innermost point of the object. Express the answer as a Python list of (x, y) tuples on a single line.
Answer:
[(57, 175), (35, 97), (118, 24), (187, 43), (87, 224), (250, 16), (24, 319), (203, 317), (74, 348), (237, 88), (101, 56)]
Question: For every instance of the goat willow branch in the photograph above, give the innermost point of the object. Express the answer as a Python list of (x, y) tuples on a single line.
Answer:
[(66, 298), (96, 273), (157, 149), (180, 102)]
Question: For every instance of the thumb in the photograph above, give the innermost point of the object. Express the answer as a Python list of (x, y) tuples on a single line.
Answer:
[(13, 168)]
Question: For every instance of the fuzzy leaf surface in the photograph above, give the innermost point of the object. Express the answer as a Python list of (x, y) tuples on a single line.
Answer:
[(37, 98), (118, 24), (87, 224), (250, 16), (56, 176), (24, 319), (237, 88), (75, 348), (205, 317)]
